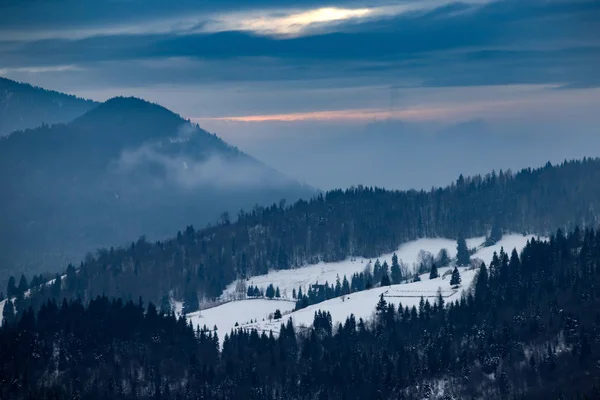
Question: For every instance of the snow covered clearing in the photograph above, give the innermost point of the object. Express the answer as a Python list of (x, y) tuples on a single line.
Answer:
[(361, 304), (225, 316), (290, 279)]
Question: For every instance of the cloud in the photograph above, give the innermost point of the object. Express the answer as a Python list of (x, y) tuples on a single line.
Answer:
[(162, 164), (282, 21)]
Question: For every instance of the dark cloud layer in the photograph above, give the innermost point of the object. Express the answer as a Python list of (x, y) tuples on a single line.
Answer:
[(501, 42)]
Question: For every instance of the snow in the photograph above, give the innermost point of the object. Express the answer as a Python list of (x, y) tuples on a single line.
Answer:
[(361, 304), (287, 280), (2, 303), (226, 315)]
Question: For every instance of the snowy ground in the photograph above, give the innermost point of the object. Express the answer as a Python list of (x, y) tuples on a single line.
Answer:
[(287, 280), (226, 315), (361, 304)]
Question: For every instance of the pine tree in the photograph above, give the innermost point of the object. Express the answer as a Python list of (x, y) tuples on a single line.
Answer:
[(294, 293), (11, 289), (395, 270), (190, 302), (338, 287), (277, 293), (250, 292), (23, 285), (270, 293), (494, 236), (482, 281), (434, 272), (385, 280), (8, 315), (455, 280), (443, 258), (56, 287), (345, 286), (377, 272), (277, 314), (463, 257), (381, 305)]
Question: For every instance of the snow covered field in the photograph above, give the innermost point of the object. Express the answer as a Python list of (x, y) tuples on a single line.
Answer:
[(287, 280), (225, 316), (361, 304)]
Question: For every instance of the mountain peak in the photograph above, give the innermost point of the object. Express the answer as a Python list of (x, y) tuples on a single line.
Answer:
[(24, 106)]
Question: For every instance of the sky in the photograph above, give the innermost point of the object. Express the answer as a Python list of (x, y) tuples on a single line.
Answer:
[(398, 94)]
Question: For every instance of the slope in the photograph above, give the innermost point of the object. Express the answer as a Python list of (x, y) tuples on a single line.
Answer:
[(124, 169), (361, 304), (23, 106)]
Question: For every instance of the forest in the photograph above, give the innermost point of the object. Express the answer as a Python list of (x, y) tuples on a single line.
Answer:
[(528, 329), (362, 221)]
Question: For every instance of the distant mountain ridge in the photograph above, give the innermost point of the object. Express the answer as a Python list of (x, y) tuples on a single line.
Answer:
[(125, 168), (23, 106)]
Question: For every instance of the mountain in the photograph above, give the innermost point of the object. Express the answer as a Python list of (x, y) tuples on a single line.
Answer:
[(123, 169), (23, 106)]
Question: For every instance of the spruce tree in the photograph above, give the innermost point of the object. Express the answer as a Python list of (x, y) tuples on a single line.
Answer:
[(455, 280), (345, 286), (395, 270), (11, 289), (56, 287), (463, 257), (191, 303), (277, 293), (385, 280), (494, 236), (270, 293), (277, 314), (434, 272), (443, 258), (8, 314), (381, 305), (23, 285)]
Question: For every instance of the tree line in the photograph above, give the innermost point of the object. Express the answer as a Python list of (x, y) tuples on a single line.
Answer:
[(360, 221), (529, 328)]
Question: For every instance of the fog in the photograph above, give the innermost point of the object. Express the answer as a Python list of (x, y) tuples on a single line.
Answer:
[(404, 155)]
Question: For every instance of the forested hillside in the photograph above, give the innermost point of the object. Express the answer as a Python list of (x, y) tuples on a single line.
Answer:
[(359, 221), (124, 169), (529, 329), (23, 106)]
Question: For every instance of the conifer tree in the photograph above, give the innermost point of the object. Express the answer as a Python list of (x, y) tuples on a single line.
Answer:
[(381, 305), (277, 293), (462, 256), (56, 287), (345, 286), (270, 293), (190, 302), (23, 285), (277, 314), (8, 315), (395, 270), (385, 280), (434, 272), (456, 279)]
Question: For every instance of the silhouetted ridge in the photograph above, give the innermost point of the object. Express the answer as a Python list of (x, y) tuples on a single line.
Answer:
[(23, 106)]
